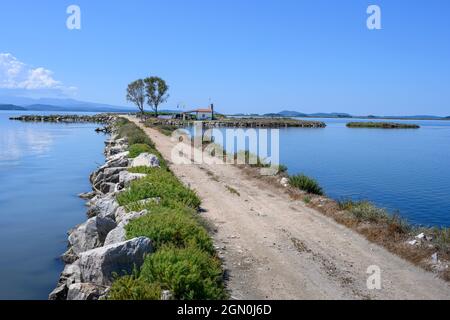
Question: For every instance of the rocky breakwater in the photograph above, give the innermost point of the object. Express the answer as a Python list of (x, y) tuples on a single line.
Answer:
[(104, 118), (244, 123), (98, 248)]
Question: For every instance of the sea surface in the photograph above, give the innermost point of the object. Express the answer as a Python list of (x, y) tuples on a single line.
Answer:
[(43, 167), (406, 171)]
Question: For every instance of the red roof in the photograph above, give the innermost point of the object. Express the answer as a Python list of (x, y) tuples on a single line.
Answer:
[(200, 110)]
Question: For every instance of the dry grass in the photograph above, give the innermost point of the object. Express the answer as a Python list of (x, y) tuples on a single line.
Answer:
[(389, 231)]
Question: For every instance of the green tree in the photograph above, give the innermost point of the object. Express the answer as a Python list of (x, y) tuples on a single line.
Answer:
[(136, 94), (156, 92)]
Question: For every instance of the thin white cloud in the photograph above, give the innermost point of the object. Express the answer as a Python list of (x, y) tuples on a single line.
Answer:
[(16, 75)]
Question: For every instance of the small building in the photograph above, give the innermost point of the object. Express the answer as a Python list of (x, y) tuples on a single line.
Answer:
[(201, 114)]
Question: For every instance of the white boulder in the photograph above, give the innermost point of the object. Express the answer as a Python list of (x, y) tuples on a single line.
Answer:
[(91, 234), (85, 291), (125, 178), (145, 160), (98, 266), (119, 234), (103, 206)]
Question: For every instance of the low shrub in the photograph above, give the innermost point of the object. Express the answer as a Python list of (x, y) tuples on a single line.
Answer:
[(282, 168), (174, 227), (442, 239), (160, 125), (382, 125), (160, 184), (133, 133), (134, 288), (364, 211), (305, 183), (189, 273), (136, 149)]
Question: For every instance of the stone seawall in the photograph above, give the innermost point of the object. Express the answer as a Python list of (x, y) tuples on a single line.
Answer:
[(98, 249), (245, 123)]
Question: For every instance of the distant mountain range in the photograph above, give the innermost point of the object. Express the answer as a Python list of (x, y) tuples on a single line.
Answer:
[(292, 114), (71, 105), (11, 107), (57, 105)]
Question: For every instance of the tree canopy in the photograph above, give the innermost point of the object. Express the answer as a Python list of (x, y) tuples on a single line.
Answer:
[(136, 94), (156, 92)]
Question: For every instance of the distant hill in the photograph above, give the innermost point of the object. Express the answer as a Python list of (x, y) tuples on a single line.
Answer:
[(76, 108), (61, 105), (43, 107), (292, 114), (416, 117), (10, 107), (330, 115)]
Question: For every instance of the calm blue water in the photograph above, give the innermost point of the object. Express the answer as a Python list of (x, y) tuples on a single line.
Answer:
[(42, 169), (404, 170)]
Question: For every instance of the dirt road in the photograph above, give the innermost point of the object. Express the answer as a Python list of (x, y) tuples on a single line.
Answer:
[(277, 248)]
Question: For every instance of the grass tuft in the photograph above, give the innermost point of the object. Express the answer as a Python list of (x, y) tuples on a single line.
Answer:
[(365, 211), (305, 183), (136, 149)]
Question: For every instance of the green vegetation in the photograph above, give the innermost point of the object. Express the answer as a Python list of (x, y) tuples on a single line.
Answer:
[(382, 125), (133, 133), (136, 94), (175, 227), (189, 273), (161, 184), (152, 89), (162, 126), (137, 138), (365, 211), (156, 92), (442, 238), (305, 183), (136, 149), (134, 288), (184, 262), (282, 168)]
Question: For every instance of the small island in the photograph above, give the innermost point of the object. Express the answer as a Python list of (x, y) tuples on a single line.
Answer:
[(382, 125)]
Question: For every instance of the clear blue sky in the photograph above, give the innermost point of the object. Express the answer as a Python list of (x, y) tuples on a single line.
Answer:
[(246, 55)]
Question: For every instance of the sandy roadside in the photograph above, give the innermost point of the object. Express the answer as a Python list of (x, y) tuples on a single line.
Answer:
[(277, 248)]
